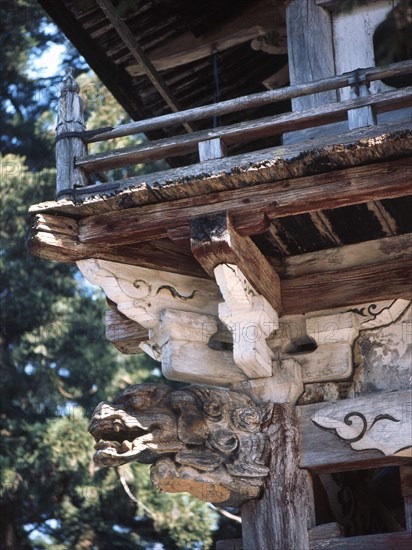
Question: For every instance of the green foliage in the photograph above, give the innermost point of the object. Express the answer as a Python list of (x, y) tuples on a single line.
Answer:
[(55, 362)]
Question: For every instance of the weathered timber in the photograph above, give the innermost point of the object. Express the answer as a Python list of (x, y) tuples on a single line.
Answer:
[(214, 241), (325, 531), (386, 541), (205, 441), (339, 287), (250, 101), (310, 51), (250, 318), (251, 22), (244, 131), (288, 197), (55, 238), (406, 489), (139, 55), (357, 433), (70, 123), (125, 334), (353, 255), (282, 517), (349, 149), (211, 149)]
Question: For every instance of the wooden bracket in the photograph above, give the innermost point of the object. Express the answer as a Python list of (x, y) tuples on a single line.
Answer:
[(180, 342), (214, 241), (249, 317)]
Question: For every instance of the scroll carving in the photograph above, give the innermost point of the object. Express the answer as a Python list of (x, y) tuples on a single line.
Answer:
[(204, 441), (372, 426)]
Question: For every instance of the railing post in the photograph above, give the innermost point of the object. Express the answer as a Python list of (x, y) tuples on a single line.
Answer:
[(364, 116), (69, 142)]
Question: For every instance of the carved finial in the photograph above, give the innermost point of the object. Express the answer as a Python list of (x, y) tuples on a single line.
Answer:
[(69, 83)]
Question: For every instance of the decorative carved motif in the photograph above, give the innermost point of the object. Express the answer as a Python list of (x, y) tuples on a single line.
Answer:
[(204, 441), (388, 431)]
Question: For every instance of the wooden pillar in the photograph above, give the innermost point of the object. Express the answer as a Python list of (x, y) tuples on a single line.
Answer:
[(310, 50), (70, 123), (311, 57), (282, 517)]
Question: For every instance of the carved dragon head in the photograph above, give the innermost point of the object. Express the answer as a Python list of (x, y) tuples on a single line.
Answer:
[(201, 440)]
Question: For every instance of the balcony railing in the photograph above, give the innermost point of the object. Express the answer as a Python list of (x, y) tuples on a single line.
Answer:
[(74, 165)]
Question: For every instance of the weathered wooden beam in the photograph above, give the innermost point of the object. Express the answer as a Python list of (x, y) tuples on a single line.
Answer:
[(358, 433), (253, 21), (340, 287), (349, 256), (282, 517), (215, 241), (127, 37), (55, 238), (282, 198), (325, 531), (383, 541), (244, 131)]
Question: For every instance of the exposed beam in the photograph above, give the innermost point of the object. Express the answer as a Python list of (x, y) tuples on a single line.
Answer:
[(382, 541), (340, 287), (139, 55), (214, 241), (349, 256), (369, 271), (254, 21), (282, 198), (55, 238)]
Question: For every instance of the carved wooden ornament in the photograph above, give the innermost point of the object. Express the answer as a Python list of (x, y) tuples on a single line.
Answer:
[(200, 440)]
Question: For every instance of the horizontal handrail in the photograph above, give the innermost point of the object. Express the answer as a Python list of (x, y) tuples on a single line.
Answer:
[(240, 132), (352, 78)]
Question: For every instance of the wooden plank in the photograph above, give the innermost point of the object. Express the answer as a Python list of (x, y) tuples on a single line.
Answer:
[(283, 198), (282, 517), (340, 287), (386, 541), (325, 531), (310, 50), (356, 433), (214, 241), (349, 256), (127, 37), (251, 22), (244, 131), (54, 238), (125, 334), (250, 101)]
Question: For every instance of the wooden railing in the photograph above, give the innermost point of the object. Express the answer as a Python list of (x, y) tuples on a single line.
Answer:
[(73, 164)]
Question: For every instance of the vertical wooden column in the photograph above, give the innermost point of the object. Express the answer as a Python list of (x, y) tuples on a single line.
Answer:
[(69, 144), (310, 50), (282, 517)]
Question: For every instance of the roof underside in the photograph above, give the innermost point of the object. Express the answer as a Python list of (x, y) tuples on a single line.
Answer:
[(159, 25)]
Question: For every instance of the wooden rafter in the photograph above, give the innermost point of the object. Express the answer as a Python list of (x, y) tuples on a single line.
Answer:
[(139, 55), (256, 20)]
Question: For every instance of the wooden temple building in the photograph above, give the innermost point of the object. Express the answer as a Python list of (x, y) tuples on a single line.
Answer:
[(268, 267)]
